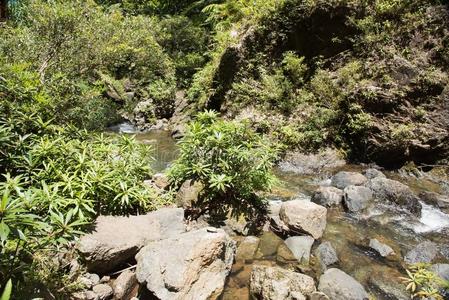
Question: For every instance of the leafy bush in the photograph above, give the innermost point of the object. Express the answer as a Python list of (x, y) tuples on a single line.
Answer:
[(424, 284), (230, 160)]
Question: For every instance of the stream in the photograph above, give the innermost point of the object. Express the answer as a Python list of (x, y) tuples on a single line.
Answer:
[(346, 231)]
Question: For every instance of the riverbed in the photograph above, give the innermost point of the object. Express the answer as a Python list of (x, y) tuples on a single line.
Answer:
[(346, 232)]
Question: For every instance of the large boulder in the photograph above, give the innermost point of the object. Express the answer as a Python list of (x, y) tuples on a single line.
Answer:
[(357, 198), (192, 265), (344, 179), (116, 240), (393, 191), (338, 285), (304, 217), (328, 196), (424, 252), (275, 283), (300, 246), (326, 255)]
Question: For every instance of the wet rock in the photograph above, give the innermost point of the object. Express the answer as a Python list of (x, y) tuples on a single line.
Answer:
[(268, 246), (357, 198), (318, 296), (435, 199), (395, 192), (192, 265), (338, 285), (300, 246), (188, 194), (442, 270), (247, 248), (424, 252), (304, 217), (274, 283), (326, 255), (389, 289), (373, 173), (344, 179), (124, 284), (285, 255), (116, 240), (161, 180), (328, 196), (382, 249), (103, 291)]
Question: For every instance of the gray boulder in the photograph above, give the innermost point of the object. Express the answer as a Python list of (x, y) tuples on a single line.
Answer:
[(424, 252), (395, 192), (357, 198), (344, 179), (192, 265), (274, 283), (442, 270), (328, 196), (373, 173), (338, 285), (304, 217), (300, 246), (124, 284), (326, 255), (382, 249), (117, 240)]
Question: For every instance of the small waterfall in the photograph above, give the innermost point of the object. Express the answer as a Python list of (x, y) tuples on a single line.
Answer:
[(432, 219)]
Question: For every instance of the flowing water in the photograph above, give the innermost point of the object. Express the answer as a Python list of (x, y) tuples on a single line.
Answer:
[(347, 232)]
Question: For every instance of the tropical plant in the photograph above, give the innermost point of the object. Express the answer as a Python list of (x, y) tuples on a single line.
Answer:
[(231, 161), (423, 283)]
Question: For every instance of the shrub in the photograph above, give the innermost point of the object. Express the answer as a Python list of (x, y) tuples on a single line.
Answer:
[(70, 45), (230, 160)]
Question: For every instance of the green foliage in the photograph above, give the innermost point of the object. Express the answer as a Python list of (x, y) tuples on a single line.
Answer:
[(71, 44), (56, 180), (230, 160), (186, 44), (6, 295), (424, 284), (223, 15)]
